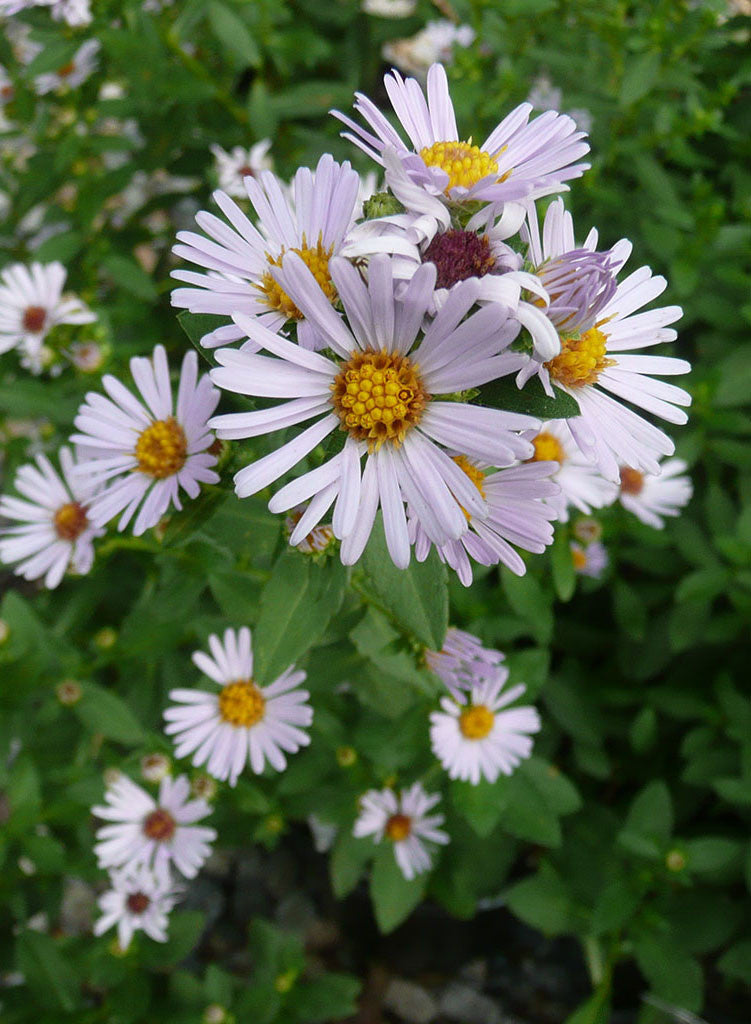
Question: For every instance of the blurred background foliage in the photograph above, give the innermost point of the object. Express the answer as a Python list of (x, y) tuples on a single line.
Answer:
[(629, 830)]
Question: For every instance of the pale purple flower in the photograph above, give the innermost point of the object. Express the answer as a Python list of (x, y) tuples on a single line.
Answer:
[(404, 821), (591, 559), (463, 662), (651, 497)]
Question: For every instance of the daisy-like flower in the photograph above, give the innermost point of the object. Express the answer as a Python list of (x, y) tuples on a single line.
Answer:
[(435, 42), (153, 833), (599, 331), (650, 497), (139, 899), (72, 12), (378, 389), (54, 531), (473, 737), (519, 159), (591, 559), (581, 484), (32, 303), (234, 167), (463, 662), (319, 539), (517, 513), (243, 722), (81, 66), (315, 222), (147, 449), (404, 821)]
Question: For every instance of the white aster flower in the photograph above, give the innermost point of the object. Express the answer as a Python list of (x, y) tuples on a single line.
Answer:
[(153, 833), (519, 159), (463, 662), (599, 329), (435, 42), (404, 820), (32, 303), (315, 222), (473, 737), (582, 486), (139, 899), (75, 13), (518, 513), (81, 66), (234, 167), (55, 532), (243, 722), (590, 559), (651, 497), (378, 389), (147, 450)]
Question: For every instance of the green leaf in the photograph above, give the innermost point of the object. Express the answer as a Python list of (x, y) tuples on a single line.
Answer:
[(641, 75), (483, 805), (736, 962), (234, 34), (530, 400), (103, 711), (49, 976), (530, 601), (130, 276), (673, 974), (649, 822), (196, 326), (23, 398), (713, 853), (329, 997), (596, 1010), (562, 565), (347, 862), (394, 898), (185, 928), (296, 606), (416, 597), (542, 901)]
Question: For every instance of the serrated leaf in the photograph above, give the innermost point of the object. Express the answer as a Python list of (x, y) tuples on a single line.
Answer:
[(530, 400), (394, 898)]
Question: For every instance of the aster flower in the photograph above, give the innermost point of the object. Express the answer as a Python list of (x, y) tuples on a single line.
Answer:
[(81, 66), (581, 484), (234, 167), (138, 900), (435, 42), (315, 222), (599, 331), (463, 662), (473, 737), (147, 450), (404, 820), (651, 497), (591, 559), (519, 159), (517, 513), (319, 539), (32, 303), (243, 722), (379, 390), (54, 532), (153, 833)]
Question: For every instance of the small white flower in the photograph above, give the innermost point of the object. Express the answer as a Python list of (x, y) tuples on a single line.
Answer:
[(234, 167), (463, 662), (389, 8), (591, 560), (153, 833), (435, 42), (55, 531), (244, 722), (32, 303), (147, 451), (652, 497), (404, 821), (581, 483), (475, 738), (81, 66), (139, 899)]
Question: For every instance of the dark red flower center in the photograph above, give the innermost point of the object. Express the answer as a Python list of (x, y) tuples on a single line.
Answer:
[(33, 318), (458, 255), (159, 825), (138, 902)]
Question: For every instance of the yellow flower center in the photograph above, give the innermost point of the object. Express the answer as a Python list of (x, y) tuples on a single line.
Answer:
[(241, 703), (476, 721), (581, 360), (70, 521), (475, 475), (547, 448), (316, 259), (379, 396), (579, 557), (162, 449), (464, 163), (398, 827), (632, 481)]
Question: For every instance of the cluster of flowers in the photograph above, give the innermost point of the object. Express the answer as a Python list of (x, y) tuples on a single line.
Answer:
[(150, 846)]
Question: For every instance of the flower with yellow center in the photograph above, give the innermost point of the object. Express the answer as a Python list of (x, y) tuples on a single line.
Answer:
[(476, 721), (379, 396), (161, 449), (404, 820), (241, 703), (316, 259), (464, 163), (398, 827), (547, 448), (70, 520), (581, 360)]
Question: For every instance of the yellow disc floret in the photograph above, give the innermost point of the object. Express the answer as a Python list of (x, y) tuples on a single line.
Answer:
[(161, 449), (464, 163), (241, 703), (476, 721), (579, 558), (398, 827), (632, 480), (70, 521), (547, 448), (581, 359), (379, 396), (316, 259)]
